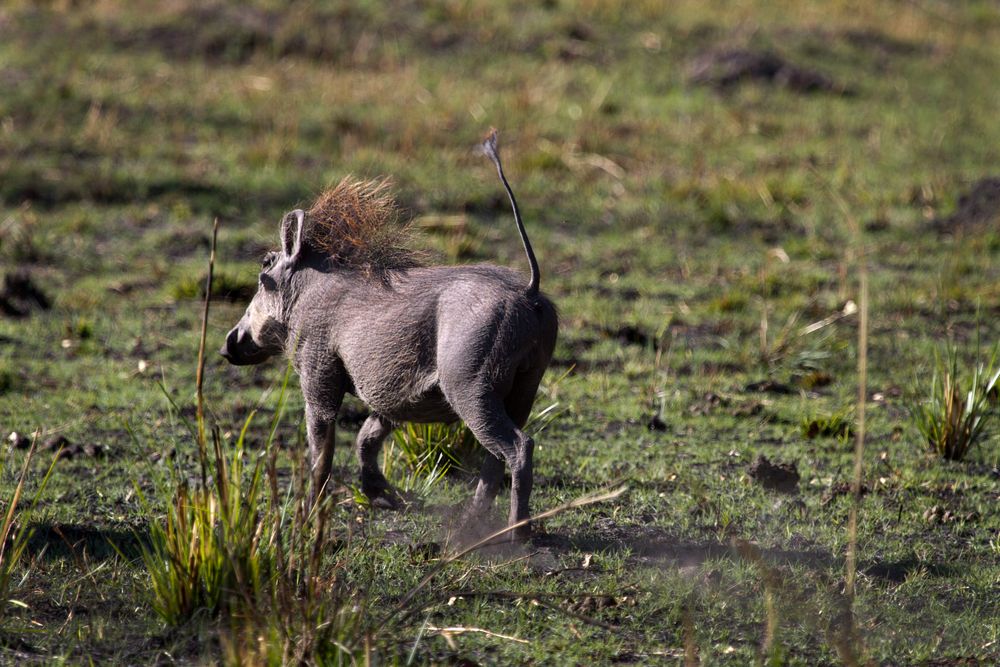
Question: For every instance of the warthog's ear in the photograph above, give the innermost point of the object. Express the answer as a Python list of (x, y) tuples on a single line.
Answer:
[(291, 233)]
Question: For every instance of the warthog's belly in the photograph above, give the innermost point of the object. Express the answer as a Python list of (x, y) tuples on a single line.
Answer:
[(428, 407)]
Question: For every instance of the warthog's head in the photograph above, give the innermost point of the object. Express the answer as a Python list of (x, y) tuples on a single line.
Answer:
[(262, 332)]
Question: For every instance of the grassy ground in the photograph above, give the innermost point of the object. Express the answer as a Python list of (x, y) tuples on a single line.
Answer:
[(671, 220)]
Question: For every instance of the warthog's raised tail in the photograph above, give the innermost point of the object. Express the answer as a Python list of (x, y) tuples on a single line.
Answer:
[(493, 153)]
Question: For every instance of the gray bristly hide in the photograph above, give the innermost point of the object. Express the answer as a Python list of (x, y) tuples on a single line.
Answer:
[(424, 344)]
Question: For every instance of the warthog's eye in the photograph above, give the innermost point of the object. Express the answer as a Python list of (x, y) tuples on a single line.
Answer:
[(267, 282), (268, 260)]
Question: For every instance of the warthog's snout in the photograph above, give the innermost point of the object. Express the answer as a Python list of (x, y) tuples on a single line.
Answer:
[(240, 350)]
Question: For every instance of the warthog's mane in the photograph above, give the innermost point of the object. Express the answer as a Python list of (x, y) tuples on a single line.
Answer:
[(359, 225)]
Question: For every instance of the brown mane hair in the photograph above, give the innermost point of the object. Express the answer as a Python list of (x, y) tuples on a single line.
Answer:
[(358, 224)]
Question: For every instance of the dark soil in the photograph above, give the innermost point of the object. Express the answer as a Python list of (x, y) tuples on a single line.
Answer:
[(883, 44), (20, 295), (726, 69), (71, 450), (783, 477), (842, 489), (218, 32), (630, 334), (770, 387), (978, 207), (751, 409), (707, 404)]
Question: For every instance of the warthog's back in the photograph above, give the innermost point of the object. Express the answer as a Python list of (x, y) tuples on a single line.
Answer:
[(397, 341)]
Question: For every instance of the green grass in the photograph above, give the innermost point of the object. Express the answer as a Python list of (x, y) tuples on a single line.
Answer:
[(418, 453), (958, 413), (657, 209), (16, 528)]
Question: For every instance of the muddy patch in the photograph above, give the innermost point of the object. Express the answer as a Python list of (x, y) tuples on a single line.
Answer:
[(897, 571), (656, 424), (235, 33), (647, 544), (100, 542), (776, 476), (707, 404), (182, 244), (748, 409), (770, 387), (616, 293), (838, 489), (722, 368), (727, 68), (979, 207), (631, 334), (70, 450), (20, 295), (882, 44), (704, 335)]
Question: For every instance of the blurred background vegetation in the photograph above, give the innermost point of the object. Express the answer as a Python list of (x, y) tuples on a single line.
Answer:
[(699, 178)]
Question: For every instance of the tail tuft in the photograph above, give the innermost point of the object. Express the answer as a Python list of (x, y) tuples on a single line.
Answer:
[(489, 146)]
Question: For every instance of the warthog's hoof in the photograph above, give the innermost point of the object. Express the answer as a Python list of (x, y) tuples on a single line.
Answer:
[(521, 533), (381, 493), (388, 500)]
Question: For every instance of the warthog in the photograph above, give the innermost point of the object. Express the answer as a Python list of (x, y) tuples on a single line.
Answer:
[(357, 313)]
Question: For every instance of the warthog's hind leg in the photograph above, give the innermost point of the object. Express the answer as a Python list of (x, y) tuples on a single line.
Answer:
[(370, 438), (488, 421)]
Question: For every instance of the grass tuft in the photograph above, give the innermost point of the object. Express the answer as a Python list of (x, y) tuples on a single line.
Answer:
[(958, 412), (15, 530), (417, 456), (307, 614), (209, 554), (232, 547), (837, 425)]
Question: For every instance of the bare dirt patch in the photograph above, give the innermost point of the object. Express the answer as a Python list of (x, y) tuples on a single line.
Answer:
[(882, 44), (631, 334), (770, 387), (707, 404), (61, 444), (783, 477), (724, 69), (20, 295), (978, 207)]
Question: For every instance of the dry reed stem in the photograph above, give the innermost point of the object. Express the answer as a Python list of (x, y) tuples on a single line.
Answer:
[(458, 629), (691, 657), (859, 441), (8, 521), (200, 377), (848, 645)]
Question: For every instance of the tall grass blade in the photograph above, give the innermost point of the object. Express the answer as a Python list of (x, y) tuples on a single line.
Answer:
[(14, 531), (859, 438)]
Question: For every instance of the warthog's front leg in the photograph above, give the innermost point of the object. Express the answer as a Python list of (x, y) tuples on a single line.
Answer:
[(490, 480), (321, 432)]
